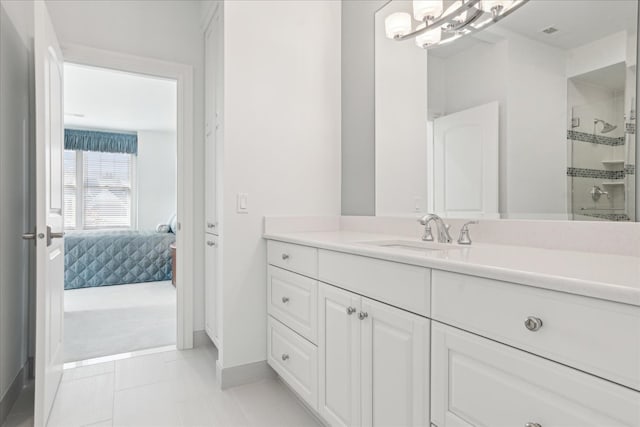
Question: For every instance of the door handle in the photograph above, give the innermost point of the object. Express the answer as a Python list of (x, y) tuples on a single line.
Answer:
[(51, 236), (32, 236)]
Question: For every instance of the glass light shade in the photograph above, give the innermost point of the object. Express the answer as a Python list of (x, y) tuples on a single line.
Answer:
[(498, 5), (397, 24), (429, 38), (423, 9)]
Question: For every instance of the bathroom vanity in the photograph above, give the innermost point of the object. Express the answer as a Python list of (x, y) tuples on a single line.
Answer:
[(382, 329)]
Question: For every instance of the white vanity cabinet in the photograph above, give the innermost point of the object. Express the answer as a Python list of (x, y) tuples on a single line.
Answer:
[(368, 341), (477, 382), (355, 360), (374, 362)]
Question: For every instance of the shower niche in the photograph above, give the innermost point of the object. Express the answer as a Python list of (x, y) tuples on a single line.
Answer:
[(601, 143)]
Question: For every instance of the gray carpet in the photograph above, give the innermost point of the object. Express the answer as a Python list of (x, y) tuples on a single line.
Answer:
[(118, 319)]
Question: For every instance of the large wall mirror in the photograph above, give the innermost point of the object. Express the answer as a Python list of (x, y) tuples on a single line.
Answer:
[(532, 117)]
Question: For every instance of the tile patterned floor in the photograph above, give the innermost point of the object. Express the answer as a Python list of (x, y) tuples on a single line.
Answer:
[(174, 388)]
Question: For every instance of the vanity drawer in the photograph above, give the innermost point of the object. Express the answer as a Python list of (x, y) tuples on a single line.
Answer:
[(301, 259), (401, 285), (596, 336), (293, 300), (477, 382), (294, 359)]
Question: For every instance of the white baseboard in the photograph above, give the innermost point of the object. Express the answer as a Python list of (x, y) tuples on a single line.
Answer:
[(12, 393), (243, 374)]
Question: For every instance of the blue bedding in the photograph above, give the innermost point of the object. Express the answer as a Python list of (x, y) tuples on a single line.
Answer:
[(116, 257)]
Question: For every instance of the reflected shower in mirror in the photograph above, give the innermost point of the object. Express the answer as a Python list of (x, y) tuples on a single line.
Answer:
[(532, 117)]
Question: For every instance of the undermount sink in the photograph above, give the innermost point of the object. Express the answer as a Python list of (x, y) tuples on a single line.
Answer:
[(411, 245)]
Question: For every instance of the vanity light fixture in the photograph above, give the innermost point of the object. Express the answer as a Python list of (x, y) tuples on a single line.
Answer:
[(437, 26)]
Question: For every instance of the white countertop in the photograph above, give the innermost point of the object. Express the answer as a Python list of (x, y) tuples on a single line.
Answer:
[(608, 277)]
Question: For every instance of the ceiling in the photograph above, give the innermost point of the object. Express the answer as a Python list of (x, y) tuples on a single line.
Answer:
[(99, 98), (578, 21)]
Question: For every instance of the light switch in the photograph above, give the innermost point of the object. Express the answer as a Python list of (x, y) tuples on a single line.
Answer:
[(243, 203)]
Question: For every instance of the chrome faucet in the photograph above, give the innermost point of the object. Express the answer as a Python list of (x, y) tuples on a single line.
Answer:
[(464, 238), (441, 228)]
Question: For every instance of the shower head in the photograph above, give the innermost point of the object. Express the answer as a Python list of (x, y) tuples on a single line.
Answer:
[(606, 127)]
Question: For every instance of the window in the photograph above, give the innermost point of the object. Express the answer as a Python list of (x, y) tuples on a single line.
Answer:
[(98, 190)]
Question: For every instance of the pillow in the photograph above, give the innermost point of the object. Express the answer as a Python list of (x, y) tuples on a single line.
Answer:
[(173, 224), (163, 228)]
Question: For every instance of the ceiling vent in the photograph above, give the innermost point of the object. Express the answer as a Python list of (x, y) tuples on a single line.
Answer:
[(549, 30)]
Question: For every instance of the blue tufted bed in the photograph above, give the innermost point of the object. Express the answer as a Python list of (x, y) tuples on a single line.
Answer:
[(102, 258)]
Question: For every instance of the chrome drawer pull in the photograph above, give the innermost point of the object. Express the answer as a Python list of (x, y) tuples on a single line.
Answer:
[(285, 256), (532, 425), (285, 356), (533, 324), (285, 299), (351, 310), (210, 243), (363, 315)]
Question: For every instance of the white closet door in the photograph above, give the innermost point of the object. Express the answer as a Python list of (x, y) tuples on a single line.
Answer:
[(211, 296), (465, 163)]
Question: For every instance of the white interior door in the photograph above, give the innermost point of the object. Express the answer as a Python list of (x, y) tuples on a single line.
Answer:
[(465, 163), (49, 216)]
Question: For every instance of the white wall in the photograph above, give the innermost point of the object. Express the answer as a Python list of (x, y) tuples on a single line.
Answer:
[(598, 54), (282, 145), (536, 152), (528, 80), (14, 148), (156, 178), (400, 122), (168, 30), (358, 115)]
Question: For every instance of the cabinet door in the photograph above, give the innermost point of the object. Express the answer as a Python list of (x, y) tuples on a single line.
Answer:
[(395, 366), (481, 383), (211, 89), (211, 288), (339, 348)]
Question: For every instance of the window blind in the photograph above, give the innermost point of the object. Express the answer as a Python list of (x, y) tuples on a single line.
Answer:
[(98, 190), (70, 189)]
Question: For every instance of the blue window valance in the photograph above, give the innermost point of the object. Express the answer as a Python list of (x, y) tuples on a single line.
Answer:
[(107, 142)]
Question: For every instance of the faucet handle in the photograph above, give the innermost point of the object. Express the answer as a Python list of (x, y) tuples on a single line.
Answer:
[(428, 235), (464, 238)]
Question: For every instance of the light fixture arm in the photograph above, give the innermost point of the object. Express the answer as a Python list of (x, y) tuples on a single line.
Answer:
[(444, 19)]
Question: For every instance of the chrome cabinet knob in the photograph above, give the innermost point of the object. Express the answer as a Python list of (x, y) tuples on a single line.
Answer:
[(285, 357), (285, 256), (351, 310), (211, 225), (285, 299), (533, 324), (363, 315), (532, 425), (210, 243)]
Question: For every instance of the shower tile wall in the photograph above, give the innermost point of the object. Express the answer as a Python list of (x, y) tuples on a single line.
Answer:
[(591, 150)]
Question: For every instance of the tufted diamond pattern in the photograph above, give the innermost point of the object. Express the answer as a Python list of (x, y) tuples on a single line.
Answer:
[(116, 257)]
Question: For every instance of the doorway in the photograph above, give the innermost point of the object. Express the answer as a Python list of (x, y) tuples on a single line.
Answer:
[(120, 205), (181, 76)]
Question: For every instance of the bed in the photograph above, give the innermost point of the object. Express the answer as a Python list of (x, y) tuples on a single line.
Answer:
[(103, 258)]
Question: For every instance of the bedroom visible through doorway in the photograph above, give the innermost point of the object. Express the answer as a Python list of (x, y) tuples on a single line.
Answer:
[(120, 204)]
